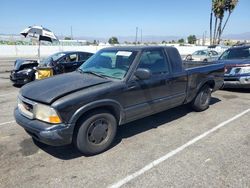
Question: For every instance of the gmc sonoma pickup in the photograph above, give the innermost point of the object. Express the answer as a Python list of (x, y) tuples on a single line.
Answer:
[(115, 86)]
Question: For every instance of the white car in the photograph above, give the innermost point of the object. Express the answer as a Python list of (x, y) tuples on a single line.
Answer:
[(203, 55)]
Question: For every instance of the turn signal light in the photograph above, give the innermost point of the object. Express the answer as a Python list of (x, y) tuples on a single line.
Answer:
[(54, 119)]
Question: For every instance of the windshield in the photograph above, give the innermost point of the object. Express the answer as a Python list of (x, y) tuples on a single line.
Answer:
[(200, 52), (110, 63), (236, 53), (52, 58)]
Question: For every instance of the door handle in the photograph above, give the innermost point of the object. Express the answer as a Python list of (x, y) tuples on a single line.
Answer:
[(132, 85), (168, 81)]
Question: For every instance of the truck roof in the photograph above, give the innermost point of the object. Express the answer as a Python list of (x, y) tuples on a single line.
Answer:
[(137, 48)]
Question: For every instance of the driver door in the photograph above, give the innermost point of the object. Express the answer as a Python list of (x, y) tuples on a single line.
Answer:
[(145, 97)]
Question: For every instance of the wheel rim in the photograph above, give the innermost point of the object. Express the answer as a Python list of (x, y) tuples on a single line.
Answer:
[(205, 96), (98, 131)]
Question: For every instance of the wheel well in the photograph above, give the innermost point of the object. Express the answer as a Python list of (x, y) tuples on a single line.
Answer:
[(108, 108), (210, 83)]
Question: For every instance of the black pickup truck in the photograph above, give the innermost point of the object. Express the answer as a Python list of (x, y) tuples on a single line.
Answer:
[(115, 86)]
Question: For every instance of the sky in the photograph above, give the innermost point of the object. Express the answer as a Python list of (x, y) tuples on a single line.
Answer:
[(105, 18)]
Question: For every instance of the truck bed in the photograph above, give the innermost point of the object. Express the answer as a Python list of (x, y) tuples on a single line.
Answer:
[(196, 64), (200, 72)]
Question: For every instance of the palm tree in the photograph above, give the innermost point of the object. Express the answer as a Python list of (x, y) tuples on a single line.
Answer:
[(211, 25), (229, 7), (219, 7), (220, 16), (218, 10)]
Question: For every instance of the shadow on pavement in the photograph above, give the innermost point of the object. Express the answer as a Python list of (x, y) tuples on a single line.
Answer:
[(240, 90), (17, 85), (126, 131)]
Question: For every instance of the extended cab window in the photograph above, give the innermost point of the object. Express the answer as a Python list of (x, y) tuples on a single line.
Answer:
[(155, 61)]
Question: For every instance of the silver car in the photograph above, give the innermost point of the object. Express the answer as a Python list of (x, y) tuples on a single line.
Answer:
[(203, 55)]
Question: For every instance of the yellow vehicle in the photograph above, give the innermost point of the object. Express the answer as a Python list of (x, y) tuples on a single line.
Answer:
[(43, 72)]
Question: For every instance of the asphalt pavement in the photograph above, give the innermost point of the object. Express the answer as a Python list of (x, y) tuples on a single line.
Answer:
[(175, 148)]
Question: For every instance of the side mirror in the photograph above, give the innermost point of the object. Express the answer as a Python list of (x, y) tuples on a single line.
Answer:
[(143, 74)]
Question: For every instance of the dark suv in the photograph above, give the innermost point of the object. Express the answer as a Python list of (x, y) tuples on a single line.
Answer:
[(237, 67)]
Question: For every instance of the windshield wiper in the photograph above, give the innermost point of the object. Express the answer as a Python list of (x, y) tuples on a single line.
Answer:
[(93, 73)]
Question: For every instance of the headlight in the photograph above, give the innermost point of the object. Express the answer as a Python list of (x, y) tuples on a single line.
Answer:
[(46, 113), (245, 70)]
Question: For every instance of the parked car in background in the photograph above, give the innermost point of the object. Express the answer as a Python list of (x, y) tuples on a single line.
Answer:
[(113, 87), (61, 62), (237, 67), (203, 55), (23, 71)]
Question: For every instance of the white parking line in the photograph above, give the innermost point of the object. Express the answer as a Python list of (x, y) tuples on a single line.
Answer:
[(174, 152), (7, 61), (7, 94), (8, 122)]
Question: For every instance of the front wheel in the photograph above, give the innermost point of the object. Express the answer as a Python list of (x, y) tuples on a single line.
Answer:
[(202, 100), (95, 133)]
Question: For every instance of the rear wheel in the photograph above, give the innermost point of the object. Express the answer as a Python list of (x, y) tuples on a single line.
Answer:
[(95, 133), (202, 100), (188, 58)]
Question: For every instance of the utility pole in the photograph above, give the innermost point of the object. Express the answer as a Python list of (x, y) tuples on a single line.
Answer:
[(136, 35), (71, 31), (203, 40), (205, 37), (141, 36)]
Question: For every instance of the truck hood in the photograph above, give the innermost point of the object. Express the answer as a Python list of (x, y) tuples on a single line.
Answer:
[(50, 89), (235, 61)]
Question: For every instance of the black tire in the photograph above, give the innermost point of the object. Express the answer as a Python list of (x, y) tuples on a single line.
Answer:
[(205, 60), (189, 57), (202, 100), (95, 133)]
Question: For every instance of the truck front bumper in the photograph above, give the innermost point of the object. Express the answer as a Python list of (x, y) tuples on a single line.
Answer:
[(54, 135), (237, 82)]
